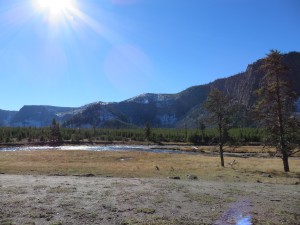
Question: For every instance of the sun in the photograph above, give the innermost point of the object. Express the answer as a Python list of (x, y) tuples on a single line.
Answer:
[(54, 9)]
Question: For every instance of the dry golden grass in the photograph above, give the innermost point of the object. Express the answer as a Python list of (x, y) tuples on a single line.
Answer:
[(231, 149), (259, 151), (143, 164)]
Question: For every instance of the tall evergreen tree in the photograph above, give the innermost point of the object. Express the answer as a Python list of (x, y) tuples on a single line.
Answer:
[(219, 106), (202, 129), (276, 105), (148, 131), (55, 134)]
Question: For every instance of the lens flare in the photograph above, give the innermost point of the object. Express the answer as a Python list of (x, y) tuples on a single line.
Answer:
[(238, 213), (54, 9), (244, 221), (54, 6)]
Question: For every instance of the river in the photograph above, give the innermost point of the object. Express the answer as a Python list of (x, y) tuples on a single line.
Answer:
[(99, 148)]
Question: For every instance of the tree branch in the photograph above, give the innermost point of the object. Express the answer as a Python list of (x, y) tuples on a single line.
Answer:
[(294, 152)]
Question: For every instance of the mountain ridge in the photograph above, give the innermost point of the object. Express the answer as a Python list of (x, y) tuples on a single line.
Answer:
[(161, 110)]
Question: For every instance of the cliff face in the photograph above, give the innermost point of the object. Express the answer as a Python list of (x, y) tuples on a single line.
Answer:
[(161, 110), (242, 86)]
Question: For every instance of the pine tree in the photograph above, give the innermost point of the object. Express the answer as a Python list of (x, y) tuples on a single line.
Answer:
[(276, 104), (220, 108), (148, 131), (202, 129), (55, 134)]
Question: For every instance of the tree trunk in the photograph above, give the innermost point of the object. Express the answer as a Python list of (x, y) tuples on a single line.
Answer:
[(282, 140), (285, 156), (285, 160), (221, 155), (221, 139)]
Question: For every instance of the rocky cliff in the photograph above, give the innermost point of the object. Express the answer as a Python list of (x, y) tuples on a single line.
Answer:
[(243, 85)]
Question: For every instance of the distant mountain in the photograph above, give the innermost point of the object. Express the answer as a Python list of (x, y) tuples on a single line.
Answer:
[(161, 110), (6, 117), (39, 116)]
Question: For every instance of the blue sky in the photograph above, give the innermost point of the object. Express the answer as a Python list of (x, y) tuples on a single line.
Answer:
[(111, 50)]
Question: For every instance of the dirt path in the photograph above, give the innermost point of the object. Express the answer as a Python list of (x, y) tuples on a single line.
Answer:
[(70, 200)]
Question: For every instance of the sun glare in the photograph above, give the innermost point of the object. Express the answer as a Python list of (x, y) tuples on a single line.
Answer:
[(54, 8)]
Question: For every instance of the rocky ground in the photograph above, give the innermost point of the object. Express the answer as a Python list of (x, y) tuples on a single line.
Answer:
[(55, 200)]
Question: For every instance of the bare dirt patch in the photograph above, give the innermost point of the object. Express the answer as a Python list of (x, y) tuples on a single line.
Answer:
[(40, 199)]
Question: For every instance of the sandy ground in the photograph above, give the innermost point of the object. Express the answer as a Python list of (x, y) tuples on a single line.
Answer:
[(55, 200)]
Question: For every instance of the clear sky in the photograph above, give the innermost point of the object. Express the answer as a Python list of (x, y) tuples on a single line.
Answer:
[(74, 52)]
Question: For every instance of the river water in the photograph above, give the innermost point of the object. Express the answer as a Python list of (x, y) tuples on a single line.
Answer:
[(93, 148), (120, 148)]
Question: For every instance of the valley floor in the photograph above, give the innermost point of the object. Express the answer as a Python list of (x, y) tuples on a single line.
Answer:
[(54, 200)]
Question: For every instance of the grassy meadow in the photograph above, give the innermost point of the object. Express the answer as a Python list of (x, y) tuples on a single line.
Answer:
[(148, 165)]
